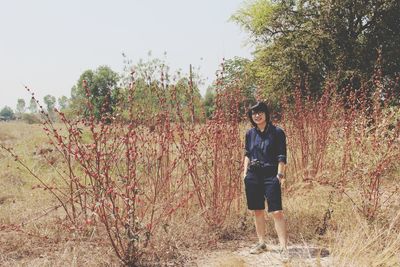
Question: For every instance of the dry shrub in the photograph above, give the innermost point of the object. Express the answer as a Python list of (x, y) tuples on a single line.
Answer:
[(349, 141), (309, 123), (6, 137), (20, 249), (366, 245), (150, 188), (131, 178), (31, 118), (6, 133)]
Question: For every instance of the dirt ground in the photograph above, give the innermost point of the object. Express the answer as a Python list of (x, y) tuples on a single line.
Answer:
[(236, 254)]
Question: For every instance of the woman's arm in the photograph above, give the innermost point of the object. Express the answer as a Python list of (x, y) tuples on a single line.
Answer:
[(245, 165), (281, 153), (281, 171), (246, 153)]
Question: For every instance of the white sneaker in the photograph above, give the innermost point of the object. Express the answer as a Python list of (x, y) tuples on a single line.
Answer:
[(284, 255), (257, 249)]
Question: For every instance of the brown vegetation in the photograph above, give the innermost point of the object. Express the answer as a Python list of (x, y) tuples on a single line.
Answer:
[(116, 191)]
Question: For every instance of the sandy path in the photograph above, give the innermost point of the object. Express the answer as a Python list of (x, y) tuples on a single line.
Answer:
[(238, 255)]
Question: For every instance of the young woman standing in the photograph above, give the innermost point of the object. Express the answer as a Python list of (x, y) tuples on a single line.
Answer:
[(264, 172)]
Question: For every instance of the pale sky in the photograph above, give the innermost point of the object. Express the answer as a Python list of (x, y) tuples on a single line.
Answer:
[(47, 44)]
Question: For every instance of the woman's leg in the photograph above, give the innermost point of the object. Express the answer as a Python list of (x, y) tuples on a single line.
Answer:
[(280, 227), (259, 219)]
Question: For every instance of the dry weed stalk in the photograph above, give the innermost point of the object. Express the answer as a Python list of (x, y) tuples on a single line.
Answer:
[(131, 173)]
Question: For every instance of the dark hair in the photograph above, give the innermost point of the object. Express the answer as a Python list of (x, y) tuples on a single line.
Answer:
[(260, 107)]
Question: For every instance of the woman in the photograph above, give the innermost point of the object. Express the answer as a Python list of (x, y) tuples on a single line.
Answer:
[(264, 168)]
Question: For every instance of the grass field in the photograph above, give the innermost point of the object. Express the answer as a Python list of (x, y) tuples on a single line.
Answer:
[(341, 196), (335, 216)]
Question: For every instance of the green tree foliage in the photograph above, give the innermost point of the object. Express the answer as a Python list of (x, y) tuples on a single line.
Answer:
[(209, 101), (237, 74), (300, 41), (141, 89), (102, 94), (188, 98), (7, 114), (154, 90), (50, 102), (235, 77), (63, 102), (20, 106), (33, 106)]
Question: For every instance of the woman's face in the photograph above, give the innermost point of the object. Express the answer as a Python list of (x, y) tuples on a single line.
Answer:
[(258, 117)]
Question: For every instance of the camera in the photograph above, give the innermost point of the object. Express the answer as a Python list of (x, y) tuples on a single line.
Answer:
[(254, 165)]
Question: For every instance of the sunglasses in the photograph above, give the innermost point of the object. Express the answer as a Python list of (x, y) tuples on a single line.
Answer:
[(254, 113)]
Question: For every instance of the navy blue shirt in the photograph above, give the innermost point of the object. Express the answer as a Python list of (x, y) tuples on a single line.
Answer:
[(268, 146)]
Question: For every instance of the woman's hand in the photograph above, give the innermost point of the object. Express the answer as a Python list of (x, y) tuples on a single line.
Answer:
[(281, 178), (245, 165), (281, 171), (282, 181)]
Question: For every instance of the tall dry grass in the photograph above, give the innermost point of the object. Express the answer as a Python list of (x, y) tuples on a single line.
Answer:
[(149, 191), (345, 148)]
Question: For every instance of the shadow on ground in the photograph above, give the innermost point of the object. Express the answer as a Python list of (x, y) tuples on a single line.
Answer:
[(306, 252)]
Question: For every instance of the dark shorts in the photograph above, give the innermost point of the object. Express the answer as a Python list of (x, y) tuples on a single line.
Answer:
[(263, 185)]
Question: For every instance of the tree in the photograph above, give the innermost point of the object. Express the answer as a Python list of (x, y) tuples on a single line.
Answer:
[(20, 106), (209, 102), (33, 107), (102, 90), (238, 74), (7, 114), (63, 102), (235, 78), (50, 102), (155, 91), (101, 85), (305, 42), (189, 99)]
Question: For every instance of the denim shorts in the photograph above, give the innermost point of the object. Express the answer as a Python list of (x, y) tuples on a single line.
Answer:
[(261, 185)]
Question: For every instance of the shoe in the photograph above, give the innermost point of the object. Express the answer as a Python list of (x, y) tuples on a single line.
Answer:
[(284, 255), (260, 247)]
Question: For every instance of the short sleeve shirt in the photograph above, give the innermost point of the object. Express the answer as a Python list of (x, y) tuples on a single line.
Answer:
[(269, 146)]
